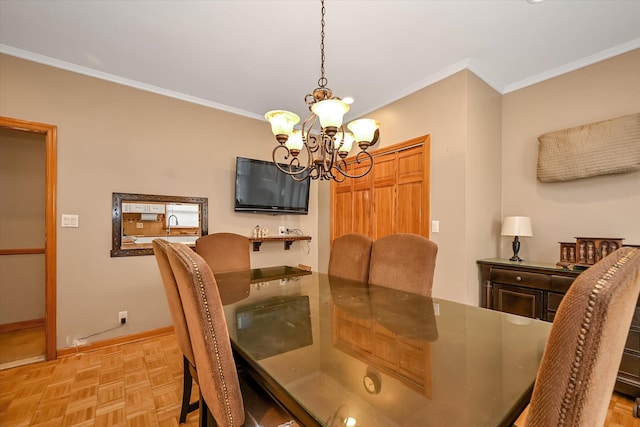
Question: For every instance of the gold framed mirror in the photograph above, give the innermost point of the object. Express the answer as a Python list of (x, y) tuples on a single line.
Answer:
[(137, 219)]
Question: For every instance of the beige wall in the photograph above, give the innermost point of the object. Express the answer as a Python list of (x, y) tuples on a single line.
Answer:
[(462, 115), (605, 206), (113, 138)]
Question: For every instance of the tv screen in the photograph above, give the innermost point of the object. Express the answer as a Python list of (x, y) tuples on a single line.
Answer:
[(261, 187)]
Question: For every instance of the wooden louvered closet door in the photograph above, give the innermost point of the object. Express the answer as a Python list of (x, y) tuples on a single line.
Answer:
[(392, 198)]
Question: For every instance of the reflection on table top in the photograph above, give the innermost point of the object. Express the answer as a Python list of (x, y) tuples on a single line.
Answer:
[(341, 349)]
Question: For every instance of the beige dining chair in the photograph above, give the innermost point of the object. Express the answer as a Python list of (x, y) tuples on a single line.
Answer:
[(403, 261), (225, 251), (350, 256), (221, 392), (581, 359), (179, 326)]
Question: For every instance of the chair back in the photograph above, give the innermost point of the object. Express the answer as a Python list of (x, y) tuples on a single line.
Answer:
[(217, 374), (581, 359), (403, 261), (225, 252), (350, 257), (173, 298)]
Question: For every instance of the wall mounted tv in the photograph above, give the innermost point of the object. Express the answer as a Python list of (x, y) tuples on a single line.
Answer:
[(262, 188)]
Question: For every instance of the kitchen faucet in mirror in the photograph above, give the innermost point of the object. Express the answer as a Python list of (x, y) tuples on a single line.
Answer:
[(139, 218)]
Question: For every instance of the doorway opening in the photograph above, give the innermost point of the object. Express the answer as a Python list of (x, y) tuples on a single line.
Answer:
[(27, 242)]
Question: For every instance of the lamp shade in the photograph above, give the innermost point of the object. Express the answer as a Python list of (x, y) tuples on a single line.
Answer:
[(282, 122), (295, 141), (346, 140), (517, 226), (363, 129), (330, 112)]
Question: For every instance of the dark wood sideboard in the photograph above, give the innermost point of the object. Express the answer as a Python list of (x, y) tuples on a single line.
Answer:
[(535, 290)]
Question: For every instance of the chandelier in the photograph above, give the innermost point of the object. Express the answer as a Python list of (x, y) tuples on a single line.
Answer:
[(319, 149)]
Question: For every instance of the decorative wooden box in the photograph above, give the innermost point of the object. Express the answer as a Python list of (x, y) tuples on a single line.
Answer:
[(568, 252), (588, 250)]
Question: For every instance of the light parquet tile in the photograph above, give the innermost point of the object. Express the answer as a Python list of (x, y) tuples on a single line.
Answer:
[(128, 385), (110, 392)]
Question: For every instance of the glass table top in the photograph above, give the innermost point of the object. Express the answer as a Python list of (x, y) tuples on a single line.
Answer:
[(382, 357)]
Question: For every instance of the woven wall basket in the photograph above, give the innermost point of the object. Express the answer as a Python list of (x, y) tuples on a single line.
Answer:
[(601, 148)]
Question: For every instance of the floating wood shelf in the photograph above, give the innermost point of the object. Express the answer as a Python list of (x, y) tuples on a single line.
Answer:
[(288, 240)]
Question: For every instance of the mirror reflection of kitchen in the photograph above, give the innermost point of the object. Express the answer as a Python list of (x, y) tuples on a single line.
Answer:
[(144, 221)]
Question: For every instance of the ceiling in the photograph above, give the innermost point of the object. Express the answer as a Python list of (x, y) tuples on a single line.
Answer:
[(252, 56)]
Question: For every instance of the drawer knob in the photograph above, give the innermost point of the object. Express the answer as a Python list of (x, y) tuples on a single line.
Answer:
[(518, 278)]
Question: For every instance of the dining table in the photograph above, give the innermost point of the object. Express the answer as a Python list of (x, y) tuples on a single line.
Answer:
[(336, 352)]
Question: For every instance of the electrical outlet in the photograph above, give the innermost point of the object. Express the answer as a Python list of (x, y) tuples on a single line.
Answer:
[(282, 230), (122, 317)]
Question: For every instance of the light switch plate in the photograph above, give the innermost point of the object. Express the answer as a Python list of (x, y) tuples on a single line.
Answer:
[(435, 226), (70, 221)]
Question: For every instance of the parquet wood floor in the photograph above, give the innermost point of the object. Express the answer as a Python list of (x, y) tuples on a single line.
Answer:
[(133, 384), (22, 344)]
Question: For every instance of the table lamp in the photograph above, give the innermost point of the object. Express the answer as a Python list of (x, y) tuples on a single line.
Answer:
[(516, 226)]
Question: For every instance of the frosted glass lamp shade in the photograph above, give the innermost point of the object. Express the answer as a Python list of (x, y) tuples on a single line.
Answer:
[(517, 226), (282, 122), (294, 143), (330, 112), (363, 130), (346, 140)]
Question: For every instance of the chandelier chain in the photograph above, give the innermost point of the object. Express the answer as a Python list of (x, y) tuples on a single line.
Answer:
[(322, 81)]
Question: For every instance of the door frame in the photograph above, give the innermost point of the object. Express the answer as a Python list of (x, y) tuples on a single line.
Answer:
[(50, 134)]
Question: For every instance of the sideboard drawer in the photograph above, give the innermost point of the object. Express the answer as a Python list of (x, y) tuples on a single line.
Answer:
[(519, 278), (561, 283)]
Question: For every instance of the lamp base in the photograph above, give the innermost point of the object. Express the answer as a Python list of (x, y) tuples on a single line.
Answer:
[(515, 245)]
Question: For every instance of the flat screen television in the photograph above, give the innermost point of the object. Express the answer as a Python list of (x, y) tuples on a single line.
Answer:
[(262, 188)]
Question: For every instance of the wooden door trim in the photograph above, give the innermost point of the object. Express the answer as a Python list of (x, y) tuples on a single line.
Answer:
[(50, 134)]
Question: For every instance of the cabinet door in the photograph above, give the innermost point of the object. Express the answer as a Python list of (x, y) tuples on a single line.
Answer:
[(393, 198), (516, 300), (384, 196), (411, 189)]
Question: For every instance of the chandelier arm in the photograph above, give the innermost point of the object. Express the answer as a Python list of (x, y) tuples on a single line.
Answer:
[(328, 151), (314, 173), (343, 163), (310, 140), (293, 163)]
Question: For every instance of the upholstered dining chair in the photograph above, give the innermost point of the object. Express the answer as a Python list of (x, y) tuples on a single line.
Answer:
[(179, 325), (581, 359), (350, 256), (225, 252), (221, 395), (403, 261)]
